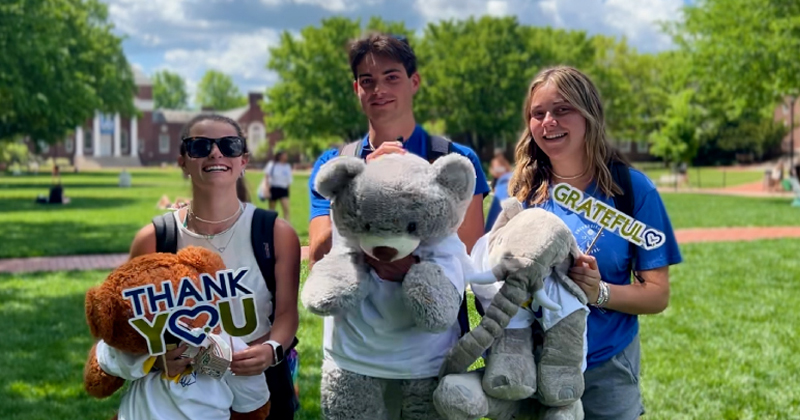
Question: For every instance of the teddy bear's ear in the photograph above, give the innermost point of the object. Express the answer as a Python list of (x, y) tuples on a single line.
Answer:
[(456, 174), (201, 259), (335, 175), (99, 312)]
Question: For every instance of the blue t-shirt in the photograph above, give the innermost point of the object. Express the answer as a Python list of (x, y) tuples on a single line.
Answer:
[(416, 144), (609, 332), (500, 193)]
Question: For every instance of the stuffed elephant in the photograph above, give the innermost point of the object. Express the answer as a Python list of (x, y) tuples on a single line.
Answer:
[(531, 251)]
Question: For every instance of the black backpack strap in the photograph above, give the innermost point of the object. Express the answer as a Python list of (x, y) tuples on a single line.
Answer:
[(438, 146), (166, 233), (622, 177), (351, 149), (262, 239), (625, 202)]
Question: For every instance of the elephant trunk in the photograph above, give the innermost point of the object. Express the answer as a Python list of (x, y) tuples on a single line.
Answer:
[(470, 347)]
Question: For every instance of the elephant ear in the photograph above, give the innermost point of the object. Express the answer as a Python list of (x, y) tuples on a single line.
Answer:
[(561, 272), (510, 208)]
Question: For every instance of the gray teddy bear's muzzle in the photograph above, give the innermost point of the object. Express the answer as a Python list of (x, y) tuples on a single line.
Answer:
[(388, 248)]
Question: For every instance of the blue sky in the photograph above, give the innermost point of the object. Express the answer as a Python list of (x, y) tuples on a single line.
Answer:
[(192, 36)]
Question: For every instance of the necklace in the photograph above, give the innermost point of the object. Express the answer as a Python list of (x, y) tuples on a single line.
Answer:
[(216, 222), (222, 249), (569, 178)]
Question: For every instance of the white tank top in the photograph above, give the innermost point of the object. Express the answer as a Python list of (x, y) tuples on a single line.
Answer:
[(236, 250)]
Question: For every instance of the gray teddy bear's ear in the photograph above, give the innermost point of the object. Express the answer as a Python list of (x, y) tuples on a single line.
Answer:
[(335, 175), (456, 174)]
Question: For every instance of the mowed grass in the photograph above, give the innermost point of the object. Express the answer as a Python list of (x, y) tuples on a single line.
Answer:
[(708, 177), (726, 348), (102, 217), (711, 211)]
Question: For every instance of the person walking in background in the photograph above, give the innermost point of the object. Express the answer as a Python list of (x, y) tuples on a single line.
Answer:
[(276, 183)]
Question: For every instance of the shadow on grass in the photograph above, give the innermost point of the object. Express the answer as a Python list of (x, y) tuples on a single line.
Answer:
[(45, 186), (44, 347), (28, 239), (18, 204)]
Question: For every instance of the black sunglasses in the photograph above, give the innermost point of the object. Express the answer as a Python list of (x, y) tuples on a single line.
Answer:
[(200, 147)]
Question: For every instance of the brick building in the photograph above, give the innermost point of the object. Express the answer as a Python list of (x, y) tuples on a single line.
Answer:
[(152, 138)]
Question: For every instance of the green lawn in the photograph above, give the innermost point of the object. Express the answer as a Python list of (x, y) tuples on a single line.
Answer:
[(726, 347), (707, 210), (101, 217), (709, 177)]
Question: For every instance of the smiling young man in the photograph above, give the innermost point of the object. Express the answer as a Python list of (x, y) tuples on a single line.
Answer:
[(385, 82)]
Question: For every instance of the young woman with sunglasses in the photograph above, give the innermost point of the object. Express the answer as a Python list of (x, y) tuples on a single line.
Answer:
[(214, 156)]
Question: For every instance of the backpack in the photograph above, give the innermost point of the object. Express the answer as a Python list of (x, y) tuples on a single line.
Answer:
[(624, 203), (436, 147), (261, 238)]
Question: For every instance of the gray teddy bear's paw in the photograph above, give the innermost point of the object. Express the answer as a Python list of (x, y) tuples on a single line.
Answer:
[(560, 385)]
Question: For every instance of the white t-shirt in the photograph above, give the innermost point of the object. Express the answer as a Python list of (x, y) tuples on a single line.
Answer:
[(280, 174), (379, 338), (238, 253), (195, 396), (525, 316)]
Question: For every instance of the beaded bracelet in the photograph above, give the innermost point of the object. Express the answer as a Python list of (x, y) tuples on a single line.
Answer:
[(602, 297)]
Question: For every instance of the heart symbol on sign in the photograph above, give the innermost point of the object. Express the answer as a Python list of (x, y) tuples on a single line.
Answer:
[(187, 335), (653, 239)]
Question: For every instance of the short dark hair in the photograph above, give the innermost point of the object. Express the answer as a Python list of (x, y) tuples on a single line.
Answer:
[(394, 47), (212, 117)]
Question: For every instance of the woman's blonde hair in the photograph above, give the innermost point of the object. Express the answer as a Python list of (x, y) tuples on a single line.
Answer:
[(533, 170)]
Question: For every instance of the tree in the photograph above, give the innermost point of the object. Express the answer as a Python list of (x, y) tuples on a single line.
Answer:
[(678, 138), (60, 62), (217, 90), (313, 101), (169, 90), (749, 46)]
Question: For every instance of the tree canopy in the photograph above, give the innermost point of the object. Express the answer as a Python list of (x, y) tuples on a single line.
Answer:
[(60, 62)]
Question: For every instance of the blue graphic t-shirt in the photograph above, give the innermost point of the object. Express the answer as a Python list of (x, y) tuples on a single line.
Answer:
[(416, 144), (609, 332)]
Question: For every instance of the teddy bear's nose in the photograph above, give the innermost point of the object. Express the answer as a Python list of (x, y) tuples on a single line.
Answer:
[(384, 253)]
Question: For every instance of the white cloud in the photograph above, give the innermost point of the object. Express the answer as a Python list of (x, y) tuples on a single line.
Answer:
[(435, 10), (497, 8), (243, 56), (634, 19), (336, 6)]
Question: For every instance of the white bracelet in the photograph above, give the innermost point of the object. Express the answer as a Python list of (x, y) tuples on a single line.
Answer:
[(603, 295)]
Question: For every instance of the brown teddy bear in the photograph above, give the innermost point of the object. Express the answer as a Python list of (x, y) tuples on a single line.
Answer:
[(122, 353)]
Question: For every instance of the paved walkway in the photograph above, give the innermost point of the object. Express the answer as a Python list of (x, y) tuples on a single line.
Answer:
[(111, 261)]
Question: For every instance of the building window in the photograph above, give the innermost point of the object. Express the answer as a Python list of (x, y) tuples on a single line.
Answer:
[(163, 143), (642, 146), (43, 147), (624, 146), (68, 145), (124, 141), (256, 135), (87, 140), (141, 146)]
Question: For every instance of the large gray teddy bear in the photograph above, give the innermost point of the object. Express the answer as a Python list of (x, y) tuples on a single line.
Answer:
[(389, 208), (530, 250)]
